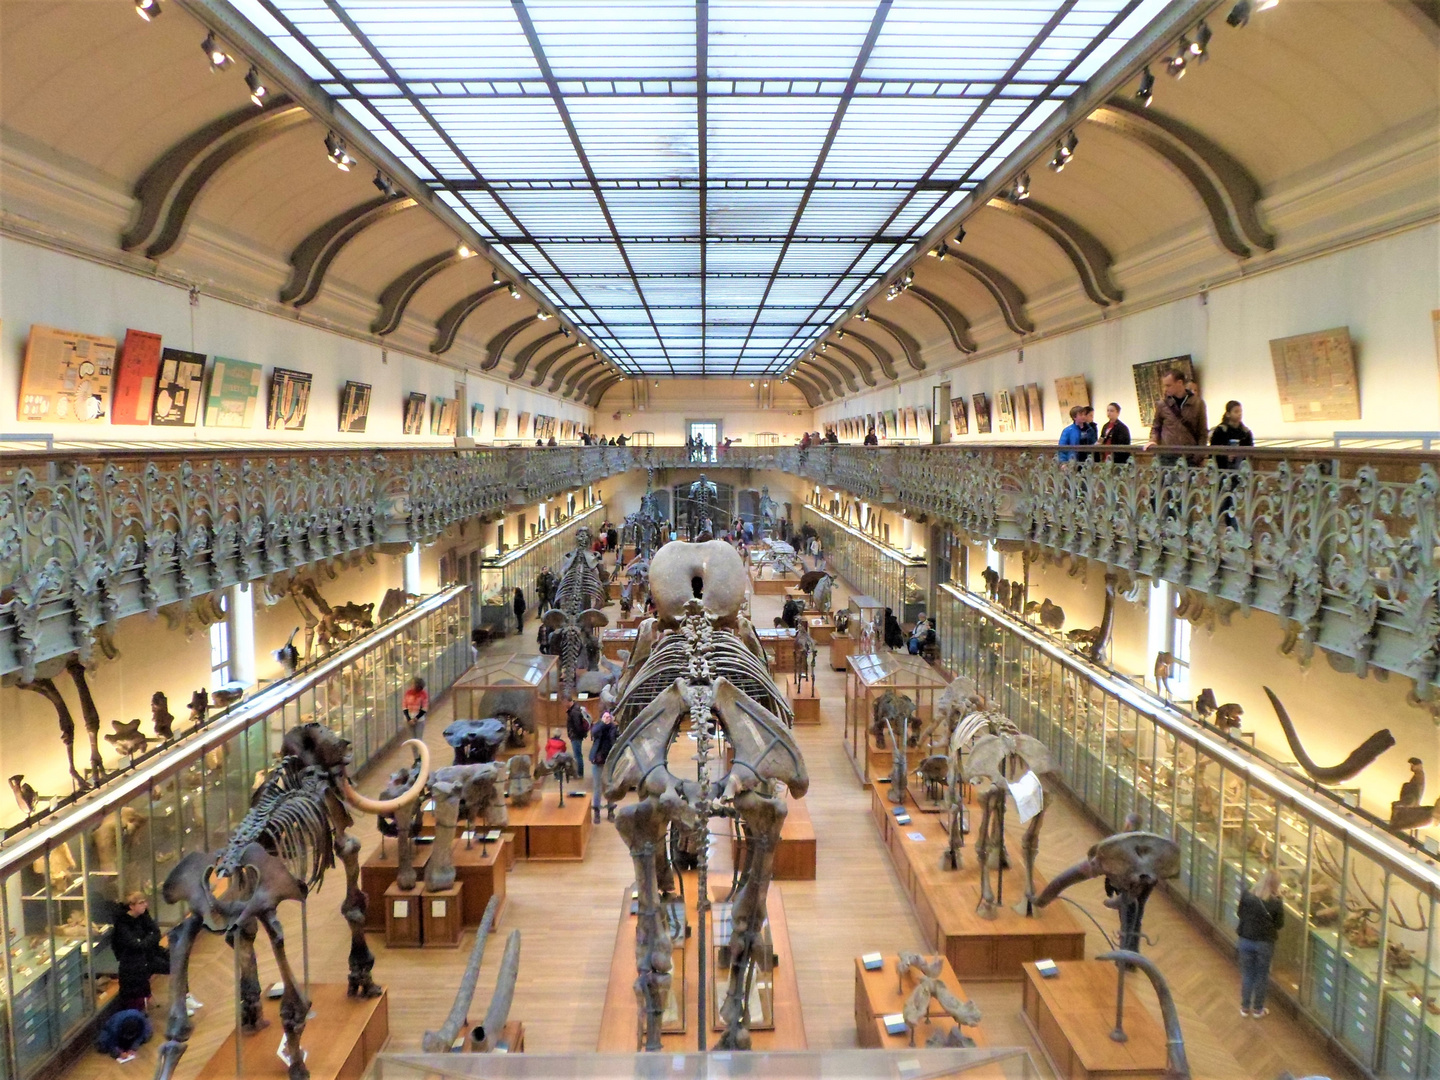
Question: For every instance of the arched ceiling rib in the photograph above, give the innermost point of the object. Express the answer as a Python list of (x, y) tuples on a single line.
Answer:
[(803, 376), (861, 365), (312, 257), (824, 373), (527, 353), (495, 347), (812, 396), (824, 359), (1006, 293), (956, 325), (543, 367), (584, 387), (598, 390), (397, 295), (565, 369), (583, 375), (908, 345), (1085, 252), (881, 354), (455, 315)]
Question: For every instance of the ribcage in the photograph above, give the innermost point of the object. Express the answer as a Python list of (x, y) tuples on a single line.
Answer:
[(289, 817)]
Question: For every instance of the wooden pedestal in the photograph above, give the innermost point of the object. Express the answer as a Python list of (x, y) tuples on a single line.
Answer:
[(804, 701), (944, 902), (773, 586), (614, 639), (822, 630), (877, 994), (404, 928), (341, 1040), (842, 647), (441, 914), (620, 1029), (795, 854), (482, 873), (512, 1039), (550, 831), (1072, 1015)]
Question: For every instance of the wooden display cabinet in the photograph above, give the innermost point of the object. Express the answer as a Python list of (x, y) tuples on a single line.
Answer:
[(871, 675)]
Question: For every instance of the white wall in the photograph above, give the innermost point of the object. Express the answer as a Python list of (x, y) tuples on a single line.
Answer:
[(38, 285), (1384, 291), (674, 401)]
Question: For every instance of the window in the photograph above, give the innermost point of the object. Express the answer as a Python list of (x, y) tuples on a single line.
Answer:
[(707, 431), (220, 653), (1180, 631)]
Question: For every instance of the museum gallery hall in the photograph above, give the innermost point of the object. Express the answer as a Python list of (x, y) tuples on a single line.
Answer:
[(820, 539)]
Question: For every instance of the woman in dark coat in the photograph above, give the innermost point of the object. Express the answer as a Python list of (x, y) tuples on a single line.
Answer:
[(894, 636), (519, 605), (138, 953)]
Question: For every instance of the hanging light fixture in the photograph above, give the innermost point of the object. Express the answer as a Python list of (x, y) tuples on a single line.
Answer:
[(1021, 191), (383, 184), (960, 234), (147, 9), (494, 276), (218, 57), (1146, 92), (335, 151), (1068, 144), (464, 250), (258, 89), (514, 292), (864, 315), (1175, 65), (1200, 47)]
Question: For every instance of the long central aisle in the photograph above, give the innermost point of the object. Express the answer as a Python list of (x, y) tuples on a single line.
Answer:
[(567, 914)]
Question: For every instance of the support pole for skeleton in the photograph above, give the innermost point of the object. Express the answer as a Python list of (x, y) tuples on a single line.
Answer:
[(700, 720)]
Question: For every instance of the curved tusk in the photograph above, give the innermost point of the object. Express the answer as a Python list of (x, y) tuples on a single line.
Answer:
[(389, 806)]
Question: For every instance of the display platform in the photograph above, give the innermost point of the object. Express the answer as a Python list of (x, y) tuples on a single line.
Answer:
[(882, 993), (341, 1039), (481, 871), (821, 629), (779, 645), (944, 902), (1072, 1015), (773, 586), (842, 647), (546, 830), (804, 700), (873, 767), (614, 639), (795, 855), (620, 1031)]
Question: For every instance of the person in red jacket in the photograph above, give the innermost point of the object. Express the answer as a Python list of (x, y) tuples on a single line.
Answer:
[(416, 703)]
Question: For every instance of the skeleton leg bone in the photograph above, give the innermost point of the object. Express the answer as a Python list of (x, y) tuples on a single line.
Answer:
[(764, 817)]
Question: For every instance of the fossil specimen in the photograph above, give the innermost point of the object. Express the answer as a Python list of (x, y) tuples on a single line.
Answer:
[(1355, 762)]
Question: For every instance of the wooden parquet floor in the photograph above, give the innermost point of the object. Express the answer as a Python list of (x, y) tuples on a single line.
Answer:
[(566, 912)]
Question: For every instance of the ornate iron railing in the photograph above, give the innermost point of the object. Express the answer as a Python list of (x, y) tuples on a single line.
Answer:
[(1343, 544)]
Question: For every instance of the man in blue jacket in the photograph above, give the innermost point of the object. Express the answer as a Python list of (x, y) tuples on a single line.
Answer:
[(1081, 432)]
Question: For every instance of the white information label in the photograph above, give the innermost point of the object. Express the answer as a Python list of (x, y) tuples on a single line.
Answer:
[(437, 909), (1029, 796), (401, 909)]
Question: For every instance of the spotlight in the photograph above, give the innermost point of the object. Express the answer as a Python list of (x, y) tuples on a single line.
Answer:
[(840, 333), (257, 88), (566, 331), (936, 250), (383, 184), (1175, 65), (764, 384), (864, 315), (1022, 187), (494, 276), (960, 236), (752, 383), (514, 292), (909, 278), (335, 151), (147, 9), (1199, 48), (824, 346), (1146, 92), (219, 59), (1068, 145), (1239, 14), (1058, 162), (543, 316), (464, 250)]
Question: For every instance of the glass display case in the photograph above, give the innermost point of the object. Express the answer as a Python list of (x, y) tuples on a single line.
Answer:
[(494, 679), (1357, 953), (501, 575), (61, 881), (900, 581), (870, 676)]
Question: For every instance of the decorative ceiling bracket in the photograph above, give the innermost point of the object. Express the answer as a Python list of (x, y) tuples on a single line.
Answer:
[(1085, 252), (567, 366), (908, 345), (586, 386), (169, 188), (867, 373), (448, 325), (806, 387), (312, 257), (831, 380), (881, 354), (598, 390), (525, 355), (592, 367), (956, 325), (1006, 293), (543, 367), (1230, 194), (826, 360), (495, 347), (398, 294)]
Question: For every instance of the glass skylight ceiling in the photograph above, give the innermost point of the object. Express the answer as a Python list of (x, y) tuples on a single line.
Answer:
[(577, 137)]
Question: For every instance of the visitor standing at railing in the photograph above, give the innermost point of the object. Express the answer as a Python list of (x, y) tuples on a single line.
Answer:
[(871, 439), (1115, 433), (1231, 432), (414, 705), (1179, 418), (1071, 435)]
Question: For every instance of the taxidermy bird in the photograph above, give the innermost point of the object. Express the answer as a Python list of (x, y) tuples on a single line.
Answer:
[(1227, 716), (223, 699), (127, 737), (992, 582), (24, 794), (1205, 704), (199, 706), (288, 654), (1406, 811), (1052, 616), (1031, 607), (160, 716)]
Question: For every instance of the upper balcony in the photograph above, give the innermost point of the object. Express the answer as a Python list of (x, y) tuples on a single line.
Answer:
[(1343, 543)]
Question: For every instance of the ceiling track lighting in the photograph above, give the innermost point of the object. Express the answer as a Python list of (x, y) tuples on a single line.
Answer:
[(218, 57), (258, 90), (840, 333), (384, 184), (1146, 91), (514, 292), (335, 151), (1243, 9), (1175, 65), (147, 9), (1021, 190), (1200, 47), (543, 316), (864, 315), (494, 276), (1058, 162), (960, 235)]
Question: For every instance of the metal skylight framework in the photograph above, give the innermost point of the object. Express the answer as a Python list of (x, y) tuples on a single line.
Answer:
[(826, 138)]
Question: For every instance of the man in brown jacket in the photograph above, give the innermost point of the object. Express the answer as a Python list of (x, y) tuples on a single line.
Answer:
[(1179, 418)]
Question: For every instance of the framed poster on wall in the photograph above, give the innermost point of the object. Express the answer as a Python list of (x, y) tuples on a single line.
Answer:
[(1032, 399), (1315, 374), (66, 377), (415, 414), (1022, 408), (982, 414), (501, 415), (289, 400), (1071, 391), (1147, 381), (136, 369), (234, 393), (959, 424), (354, 407), (179, 389), (444, 413), (892, 422), (522, 424), (1004, 412)]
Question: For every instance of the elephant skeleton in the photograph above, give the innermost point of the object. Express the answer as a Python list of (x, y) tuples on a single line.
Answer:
[(697, 666), (962, 739), (576, 614), (297, 824)]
